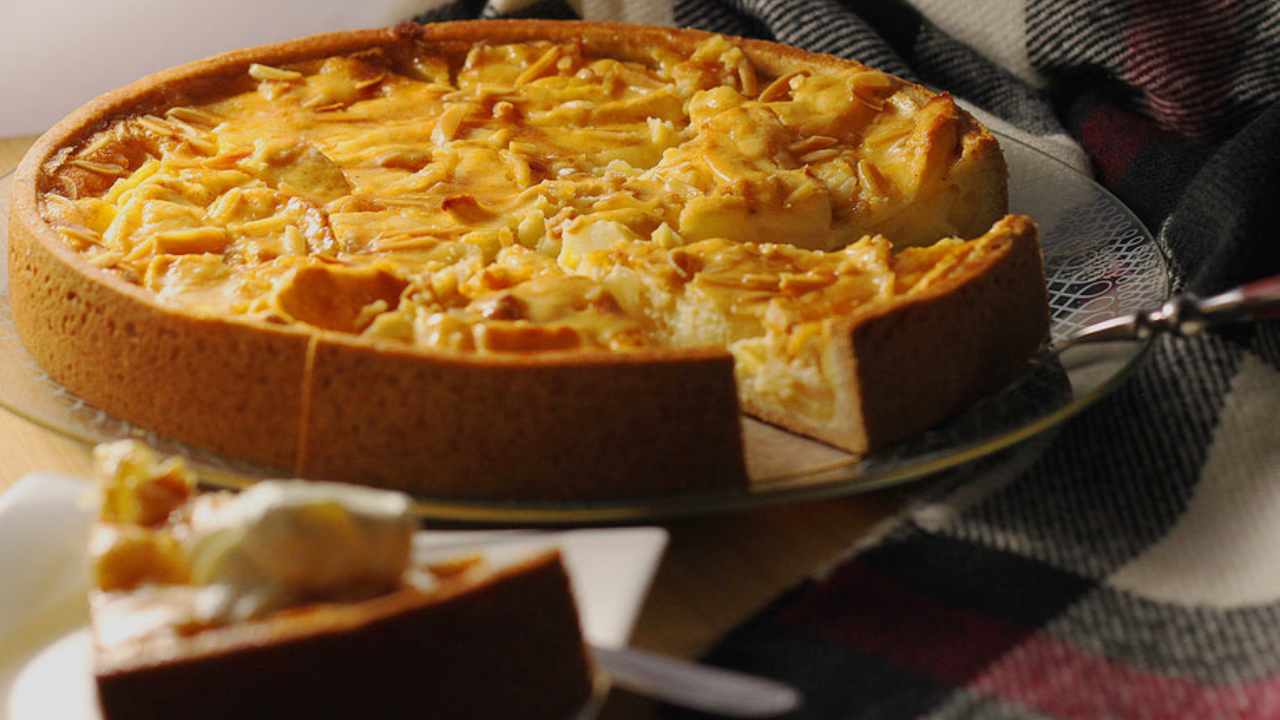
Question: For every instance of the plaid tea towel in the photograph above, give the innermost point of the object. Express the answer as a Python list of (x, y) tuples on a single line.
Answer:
[(1128, 565)]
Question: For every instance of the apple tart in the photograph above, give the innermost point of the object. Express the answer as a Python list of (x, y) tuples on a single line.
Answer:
[(523, 259)]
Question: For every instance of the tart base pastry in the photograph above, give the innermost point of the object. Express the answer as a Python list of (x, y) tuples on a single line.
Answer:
[(522, 260)]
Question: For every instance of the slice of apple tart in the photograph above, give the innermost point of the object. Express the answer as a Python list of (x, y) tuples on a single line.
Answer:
[(303, 599)]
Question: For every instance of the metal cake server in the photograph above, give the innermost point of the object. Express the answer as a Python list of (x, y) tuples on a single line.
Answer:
[(1186, 314), (695, 686)]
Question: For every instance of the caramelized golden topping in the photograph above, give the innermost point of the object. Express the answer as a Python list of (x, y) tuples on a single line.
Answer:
[(479, 205), (140, 487), (126, 556)]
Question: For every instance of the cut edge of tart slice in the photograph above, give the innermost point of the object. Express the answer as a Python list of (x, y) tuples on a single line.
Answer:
[(858, 347), (964, 327)]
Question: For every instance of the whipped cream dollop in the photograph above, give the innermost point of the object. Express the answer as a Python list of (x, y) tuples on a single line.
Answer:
[(281, 543)]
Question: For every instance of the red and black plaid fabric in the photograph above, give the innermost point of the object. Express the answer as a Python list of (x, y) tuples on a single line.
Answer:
[(1117, 569), (1128, 566)]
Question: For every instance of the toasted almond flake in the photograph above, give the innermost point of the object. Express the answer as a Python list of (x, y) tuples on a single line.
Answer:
[(868, 100), (105, 259), (811, 143), (186, 128), (265, 226), (405, 242), (742, 280), (156, 125), (365, 84), (874, 80), (518, 146), (258, 71), (201, 145), (449, 122), (870, 178), (799, 284), (226, 160), (500, 137), (540, 66), (520, 171), (317, 100), (225, 205), (869, 88), (68, 205), (486, 92), (819, 156), (780, 87), (140, 251), (192, 115), (97, 167), (295, 243), (747, 77), (81, 235), (102, 140)]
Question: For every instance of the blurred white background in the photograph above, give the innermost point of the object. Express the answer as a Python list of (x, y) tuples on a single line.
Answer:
[(59, 54)]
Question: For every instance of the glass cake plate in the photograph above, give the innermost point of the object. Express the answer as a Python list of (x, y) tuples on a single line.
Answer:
[(1100, 262)]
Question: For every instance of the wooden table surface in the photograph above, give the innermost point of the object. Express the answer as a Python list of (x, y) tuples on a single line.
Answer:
[(718, 570)]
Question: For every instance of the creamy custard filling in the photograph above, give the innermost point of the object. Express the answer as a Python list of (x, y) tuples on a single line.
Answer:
[(770, 305), (524, 197)]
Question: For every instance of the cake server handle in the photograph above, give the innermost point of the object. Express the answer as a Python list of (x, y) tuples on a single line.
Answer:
[(697, 687)]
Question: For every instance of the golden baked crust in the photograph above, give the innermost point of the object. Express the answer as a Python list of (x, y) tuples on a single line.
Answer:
[(285, 666), (312, 385), (393, 656), (472, 641)]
